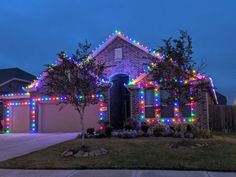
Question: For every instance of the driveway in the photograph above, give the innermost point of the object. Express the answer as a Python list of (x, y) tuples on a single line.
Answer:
[(14, 145)]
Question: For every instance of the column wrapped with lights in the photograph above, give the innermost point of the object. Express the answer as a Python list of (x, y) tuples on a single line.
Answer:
[(176, 112), (8, 114), (34, 122), (102, 110), (156, 101), (142, 105), (192, 107), (7, 119)]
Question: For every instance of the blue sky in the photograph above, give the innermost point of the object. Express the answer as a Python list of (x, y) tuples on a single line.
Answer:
[(32, 32)]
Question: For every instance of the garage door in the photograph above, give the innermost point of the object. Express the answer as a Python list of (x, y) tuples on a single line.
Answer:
[(52, 119), (20, 121)]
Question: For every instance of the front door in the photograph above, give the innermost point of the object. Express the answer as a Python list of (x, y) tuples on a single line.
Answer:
[(119, 101)]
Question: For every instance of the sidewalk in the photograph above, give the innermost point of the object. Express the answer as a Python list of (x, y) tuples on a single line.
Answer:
[(111, 173)]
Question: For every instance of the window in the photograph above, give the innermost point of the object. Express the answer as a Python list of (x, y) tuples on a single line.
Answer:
[(164, 96), (167, 111), (149, 96), (118, 53), (149, 103)]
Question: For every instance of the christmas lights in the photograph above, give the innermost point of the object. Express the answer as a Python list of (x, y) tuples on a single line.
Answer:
[(8, 113), (15, 94), (33, 110), (133, 82)]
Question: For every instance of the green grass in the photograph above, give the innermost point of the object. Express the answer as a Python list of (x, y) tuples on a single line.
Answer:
[(144, 153)]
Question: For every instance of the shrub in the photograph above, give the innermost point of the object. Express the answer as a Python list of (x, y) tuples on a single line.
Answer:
[(90, 131), (158, 128), (144, 127), (108, 131), (198, 133), (125, 133), (130, 124), (189, 128), (127, 127)]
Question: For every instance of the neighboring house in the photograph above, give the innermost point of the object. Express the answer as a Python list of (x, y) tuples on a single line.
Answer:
[(11, 81), (133, 95), (222, 100)]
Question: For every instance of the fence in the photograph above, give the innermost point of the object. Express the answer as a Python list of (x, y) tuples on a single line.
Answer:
[(222, 117)]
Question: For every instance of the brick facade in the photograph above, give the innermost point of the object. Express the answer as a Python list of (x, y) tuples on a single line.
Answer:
[(133, 63)]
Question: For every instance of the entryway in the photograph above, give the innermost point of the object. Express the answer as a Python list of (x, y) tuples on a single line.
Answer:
[(119, 101)]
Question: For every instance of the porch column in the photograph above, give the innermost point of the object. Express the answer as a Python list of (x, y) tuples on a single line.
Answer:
[(202, 110), (134, 103)]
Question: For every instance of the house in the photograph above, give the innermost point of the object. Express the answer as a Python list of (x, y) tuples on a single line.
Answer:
[(133, 95), (222, 99), (11, 81)]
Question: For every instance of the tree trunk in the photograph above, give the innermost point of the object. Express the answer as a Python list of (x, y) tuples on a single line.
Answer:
[(81, 114), (182, 128), (82, 126)]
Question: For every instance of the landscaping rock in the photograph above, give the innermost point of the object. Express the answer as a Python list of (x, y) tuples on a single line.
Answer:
[(177, 135), (97, 152), (91, 154), (67, 153), (86, 154), (103, 151), (79, 154), (188, 135)]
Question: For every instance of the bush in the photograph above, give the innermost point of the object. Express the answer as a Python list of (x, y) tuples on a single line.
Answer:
[(144, 127), (127, 127), (90, 131), (99, 134), (189, 128), (158, 129), (198, 133), (130, 125), (108, 131)]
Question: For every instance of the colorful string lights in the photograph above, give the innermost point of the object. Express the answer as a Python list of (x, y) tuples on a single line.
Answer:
[(103, 105), (33, 110), (8, 113)]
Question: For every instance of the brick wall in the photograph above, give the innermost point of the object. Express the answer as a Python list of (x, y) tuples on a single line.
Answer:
[(202, 111), (132, 63)]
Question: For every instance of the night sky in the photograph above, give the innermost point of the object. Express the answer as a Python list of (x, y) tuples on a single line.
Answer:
[(32, 32)]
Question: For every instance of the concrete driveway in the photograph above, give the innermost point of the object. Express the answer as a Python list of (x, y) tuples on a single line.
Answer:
[(14, 145)]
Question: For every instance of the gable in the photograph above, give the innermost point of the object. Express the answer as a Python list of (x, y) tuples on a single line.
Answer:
[(133, 62), (10, 73), (13, 86)]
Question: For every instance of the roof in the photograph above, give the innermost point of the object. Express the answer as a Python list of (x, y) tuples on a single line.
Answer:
[(134, 42), (15, 73), (222, 99), (9, 74)]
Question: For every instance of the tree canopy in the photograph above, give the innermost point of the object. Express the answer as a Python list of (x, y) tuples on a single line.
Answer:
[(176, 71)]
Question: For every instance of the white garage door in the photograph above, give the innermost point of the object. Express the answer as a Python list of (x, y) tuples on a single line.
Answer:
[(52, 119), (20, 122)]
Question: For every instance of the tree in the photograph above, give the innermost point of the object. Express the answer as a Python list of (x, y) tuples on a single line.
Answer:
[(77, 78), (177, 73)]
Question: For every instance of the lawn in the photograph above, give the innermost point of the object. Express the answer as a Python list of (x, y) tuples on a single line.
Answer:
[(144, 153)]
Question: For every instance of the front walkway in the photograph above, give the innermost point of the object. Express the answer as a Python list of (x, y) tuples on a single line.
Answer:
[(111, 173), (14, 145)]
